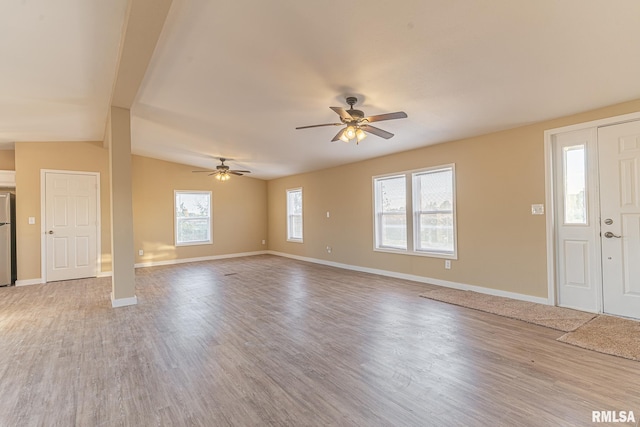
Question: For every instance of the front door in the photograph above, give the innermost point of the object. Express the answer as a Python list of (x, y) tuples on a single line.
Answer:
[(619, 166), (71, 225), (576, 216)]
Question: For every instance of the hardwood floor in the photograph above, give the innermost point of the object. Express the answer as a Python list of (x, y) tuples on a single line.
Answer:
[(266, 340)]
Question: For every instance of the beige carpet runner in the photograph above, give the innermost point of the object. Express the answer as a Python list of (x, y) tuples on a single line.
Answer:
[(604, 334), (608, 334)]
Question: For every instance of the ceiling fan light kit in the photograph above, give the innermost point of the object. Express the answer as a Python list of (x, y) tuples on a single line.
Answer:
[(222, 172), (357, 125)]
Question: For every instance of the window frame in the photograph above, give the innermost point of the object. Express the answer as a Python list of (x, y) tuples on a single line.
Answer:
[(585, 173), (177, 221), (417, 212), (289, 215), (377, 214), (412, 213)]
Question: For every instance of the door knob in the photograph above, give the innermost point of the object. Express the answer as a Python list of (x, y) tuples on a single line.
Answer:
[(50, 231), (609, 235)]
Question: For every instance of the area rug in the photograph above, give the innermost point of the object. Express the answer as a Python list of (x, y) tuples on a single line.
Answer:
[(562, 319), (609, 335)]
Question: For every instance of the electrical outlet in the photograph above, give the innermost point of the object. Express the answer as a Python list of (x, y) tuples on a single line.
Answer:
[(328, 214), (447, 264), (537, 209), (264, 242), (140, 252), (329, 249)]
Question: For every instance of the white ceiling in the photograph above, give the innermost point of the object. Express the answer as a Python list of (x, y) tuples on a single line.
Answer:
[(57, 68), (233, 78)]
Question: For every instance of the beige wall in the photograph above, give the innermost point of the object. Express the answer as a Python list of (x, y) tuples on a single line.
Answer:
[(30, 158), (239, 205), (239, 211), (7, 160), (498, 177)]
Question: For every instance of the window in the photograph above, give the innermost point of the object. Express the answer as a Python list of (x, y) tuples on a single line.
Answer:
[(433, 210), (431, 222), (294, 215), (391, 212), (575, 183), (193, 217)]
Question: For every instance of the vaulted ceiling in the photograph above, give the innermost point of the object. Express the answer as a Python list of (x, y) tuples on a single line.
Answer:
[(233, 78)]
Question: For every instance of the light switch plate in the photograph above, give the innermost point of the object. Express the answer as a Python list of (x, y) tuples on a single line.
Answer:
[(537, 209), (32, 220)]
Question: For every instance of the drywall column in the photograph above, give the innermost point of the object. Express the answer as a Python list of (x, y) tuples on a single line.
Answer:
[(119, 141)]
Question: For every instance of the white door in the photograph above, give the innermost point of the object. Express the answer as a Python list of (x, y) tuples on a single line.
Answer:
[(619, 164), (577, 228), (71, 225)]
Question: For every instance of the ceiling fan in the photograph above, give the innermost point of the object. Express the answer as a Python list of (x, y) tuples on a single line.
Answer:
[(357, 125), (222, 172)]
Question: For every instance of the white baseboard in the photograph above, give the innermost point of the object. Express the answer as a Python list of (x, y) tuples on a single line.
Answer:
[(204, 258), (28, 282), (105, 274), (420, 279), (123, 302)]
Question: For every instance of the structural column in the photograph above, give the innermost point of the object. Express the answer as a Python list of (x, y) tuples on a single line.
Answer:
[(122, 249)]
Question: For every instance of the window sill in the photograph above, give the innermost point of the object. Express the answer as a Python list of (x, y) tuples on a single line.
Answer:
[(453, 256), (195, 243)]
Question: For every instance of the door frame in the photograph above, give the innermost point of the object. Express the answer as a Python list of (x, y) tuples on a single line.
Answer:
[(549, 163), (43, 213)]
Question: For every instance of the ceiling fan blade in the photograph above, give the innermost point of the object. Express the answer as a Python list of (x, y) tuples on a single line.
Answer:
[(388, 116), (201, 171), (338, 135), (235, 173), (317, 126), (376, 131), (239, 171), (344, 115)]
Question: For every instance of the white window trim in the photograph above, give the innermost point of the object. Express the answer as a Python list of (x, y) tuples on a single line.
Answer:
[(289, 238), (376, 231), (432, 253), (209, 241), (410, 212)]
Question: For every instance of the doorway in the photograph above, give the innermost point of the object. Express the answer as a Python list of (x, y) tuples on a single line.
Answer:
[(71, 226), (595, 219)]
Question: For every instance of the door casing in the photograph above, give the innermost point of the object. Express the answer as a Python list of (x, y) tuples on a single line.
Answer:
[(550, 196)]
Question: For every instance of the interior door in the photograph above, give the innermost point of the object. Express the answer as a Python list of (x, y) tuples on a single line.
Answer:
[(71, 225), (619, 164)]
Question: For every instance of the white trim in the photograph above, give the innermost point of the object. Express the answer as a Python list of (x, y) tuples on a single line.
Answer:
[(420, 279), (549, 191), (123, 302), (375, 205), (43, 213), (105, 274), (29, 282), (204, 258), (608, 121), (550, 220)]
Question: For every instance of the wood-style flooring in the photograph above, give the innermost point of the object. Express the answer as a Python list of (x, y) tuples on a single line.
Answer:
[(271, 341)]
